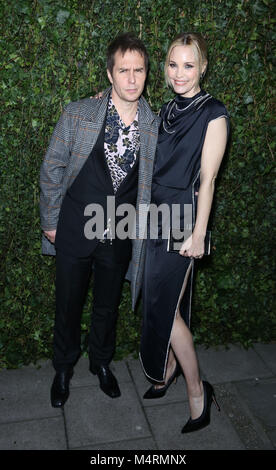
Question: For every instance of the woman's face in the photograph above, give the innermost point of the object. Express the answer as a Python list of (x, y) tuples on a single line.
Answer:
[(183, 71)]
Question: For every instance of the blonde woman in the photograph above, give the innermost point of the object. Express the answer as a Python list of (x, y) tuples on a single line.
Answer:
[(191, 144)]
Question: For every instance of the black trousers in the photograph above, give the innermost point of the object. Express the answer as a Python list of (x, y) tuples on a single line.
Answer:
[(72, 278)]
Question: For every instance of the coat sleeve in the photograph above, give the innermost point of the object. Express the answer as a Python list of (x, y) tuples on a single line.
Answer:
[(52, 172)]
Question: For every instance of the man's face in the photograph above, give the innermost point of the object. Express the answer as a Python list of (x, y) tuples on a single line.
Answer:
[(128, 76)]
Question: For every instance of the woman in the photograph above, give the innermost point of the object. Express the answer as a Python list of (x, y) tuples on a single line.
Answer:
[(192, 141)]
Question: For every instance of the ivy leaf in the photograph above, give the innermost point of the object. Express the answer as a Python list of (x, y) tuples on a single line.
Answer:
[(62, 16), (248, 99), (34, 123)]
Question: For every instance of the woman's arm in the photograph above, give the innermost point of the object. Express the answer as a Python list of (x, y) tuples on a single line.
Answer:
[(212, 154)]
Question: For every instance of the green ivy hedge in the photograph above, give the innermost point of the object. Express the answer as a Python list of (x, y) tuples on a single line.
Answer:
[(53, 52)]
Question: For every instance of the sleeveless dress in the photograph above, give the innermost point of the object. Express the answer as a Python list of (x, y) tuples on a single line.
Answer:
[(168, 276)]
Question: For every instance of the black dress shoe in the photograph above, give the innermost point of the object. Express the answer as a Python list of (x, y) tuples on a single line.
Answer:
[(108, 382), (60, 388)]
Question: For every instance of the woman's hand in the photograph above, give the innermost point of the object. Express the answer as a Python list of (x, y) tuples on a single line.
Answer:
[(193, 247)]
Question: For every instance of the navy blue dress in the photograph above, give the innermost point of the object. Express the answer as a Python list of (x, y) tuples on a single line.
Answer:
[(168, 277)]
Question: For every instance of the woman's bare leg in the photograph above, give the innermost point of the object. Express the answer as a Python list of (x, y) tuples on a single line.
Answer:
[(183, 348)]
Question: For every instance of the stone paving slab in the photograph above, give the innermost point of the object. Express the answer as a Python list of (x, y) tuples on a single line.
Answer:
[(25, 393), (241, 417), (272, 437), (131, 444), (92, 417), (39, 434), (268, 353), (260, 396), (167, 421), (244, 382), (82, 375), (233, 364)]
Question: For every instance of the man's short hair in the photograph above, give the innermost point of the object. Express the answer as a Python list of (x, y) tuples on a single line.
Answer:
[(125, 42)]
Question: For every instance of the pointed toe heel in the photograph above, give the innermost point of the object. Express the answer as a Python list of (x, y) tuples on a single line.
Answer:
[(154, 392), (204, 419), (215, 401)]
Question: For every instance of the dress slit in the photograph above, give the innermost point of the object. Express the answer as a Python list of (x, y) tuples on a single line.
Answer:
[(177, 309)]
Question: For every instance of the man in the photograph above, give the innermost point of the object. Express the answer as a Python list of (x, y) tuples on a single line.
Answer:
[(99, 148)]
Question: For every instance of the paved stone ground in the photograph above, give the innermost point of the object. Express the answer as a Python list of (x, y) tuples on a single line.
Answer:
[(244, 381)]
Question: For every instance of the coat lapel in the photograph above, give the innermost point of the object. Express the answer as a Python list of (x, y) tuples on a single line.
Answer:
[(88, 130)]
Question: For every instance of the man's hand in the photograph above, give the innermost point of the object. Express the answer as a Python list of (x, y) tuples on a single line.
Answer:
[(51, 235), (97, 96)]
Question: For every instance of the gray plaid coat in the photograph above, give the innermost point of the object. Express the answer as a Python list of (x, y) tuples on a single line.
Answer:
[(71, 143)]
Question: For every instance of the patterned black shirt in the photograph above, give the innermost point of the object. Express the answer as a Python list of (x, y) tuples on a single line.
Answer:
[(121, 144)]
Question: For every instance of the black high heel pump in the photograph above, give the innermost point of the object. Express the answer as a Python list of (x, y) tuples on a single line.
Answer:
[(154, 392), (204, 419)]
